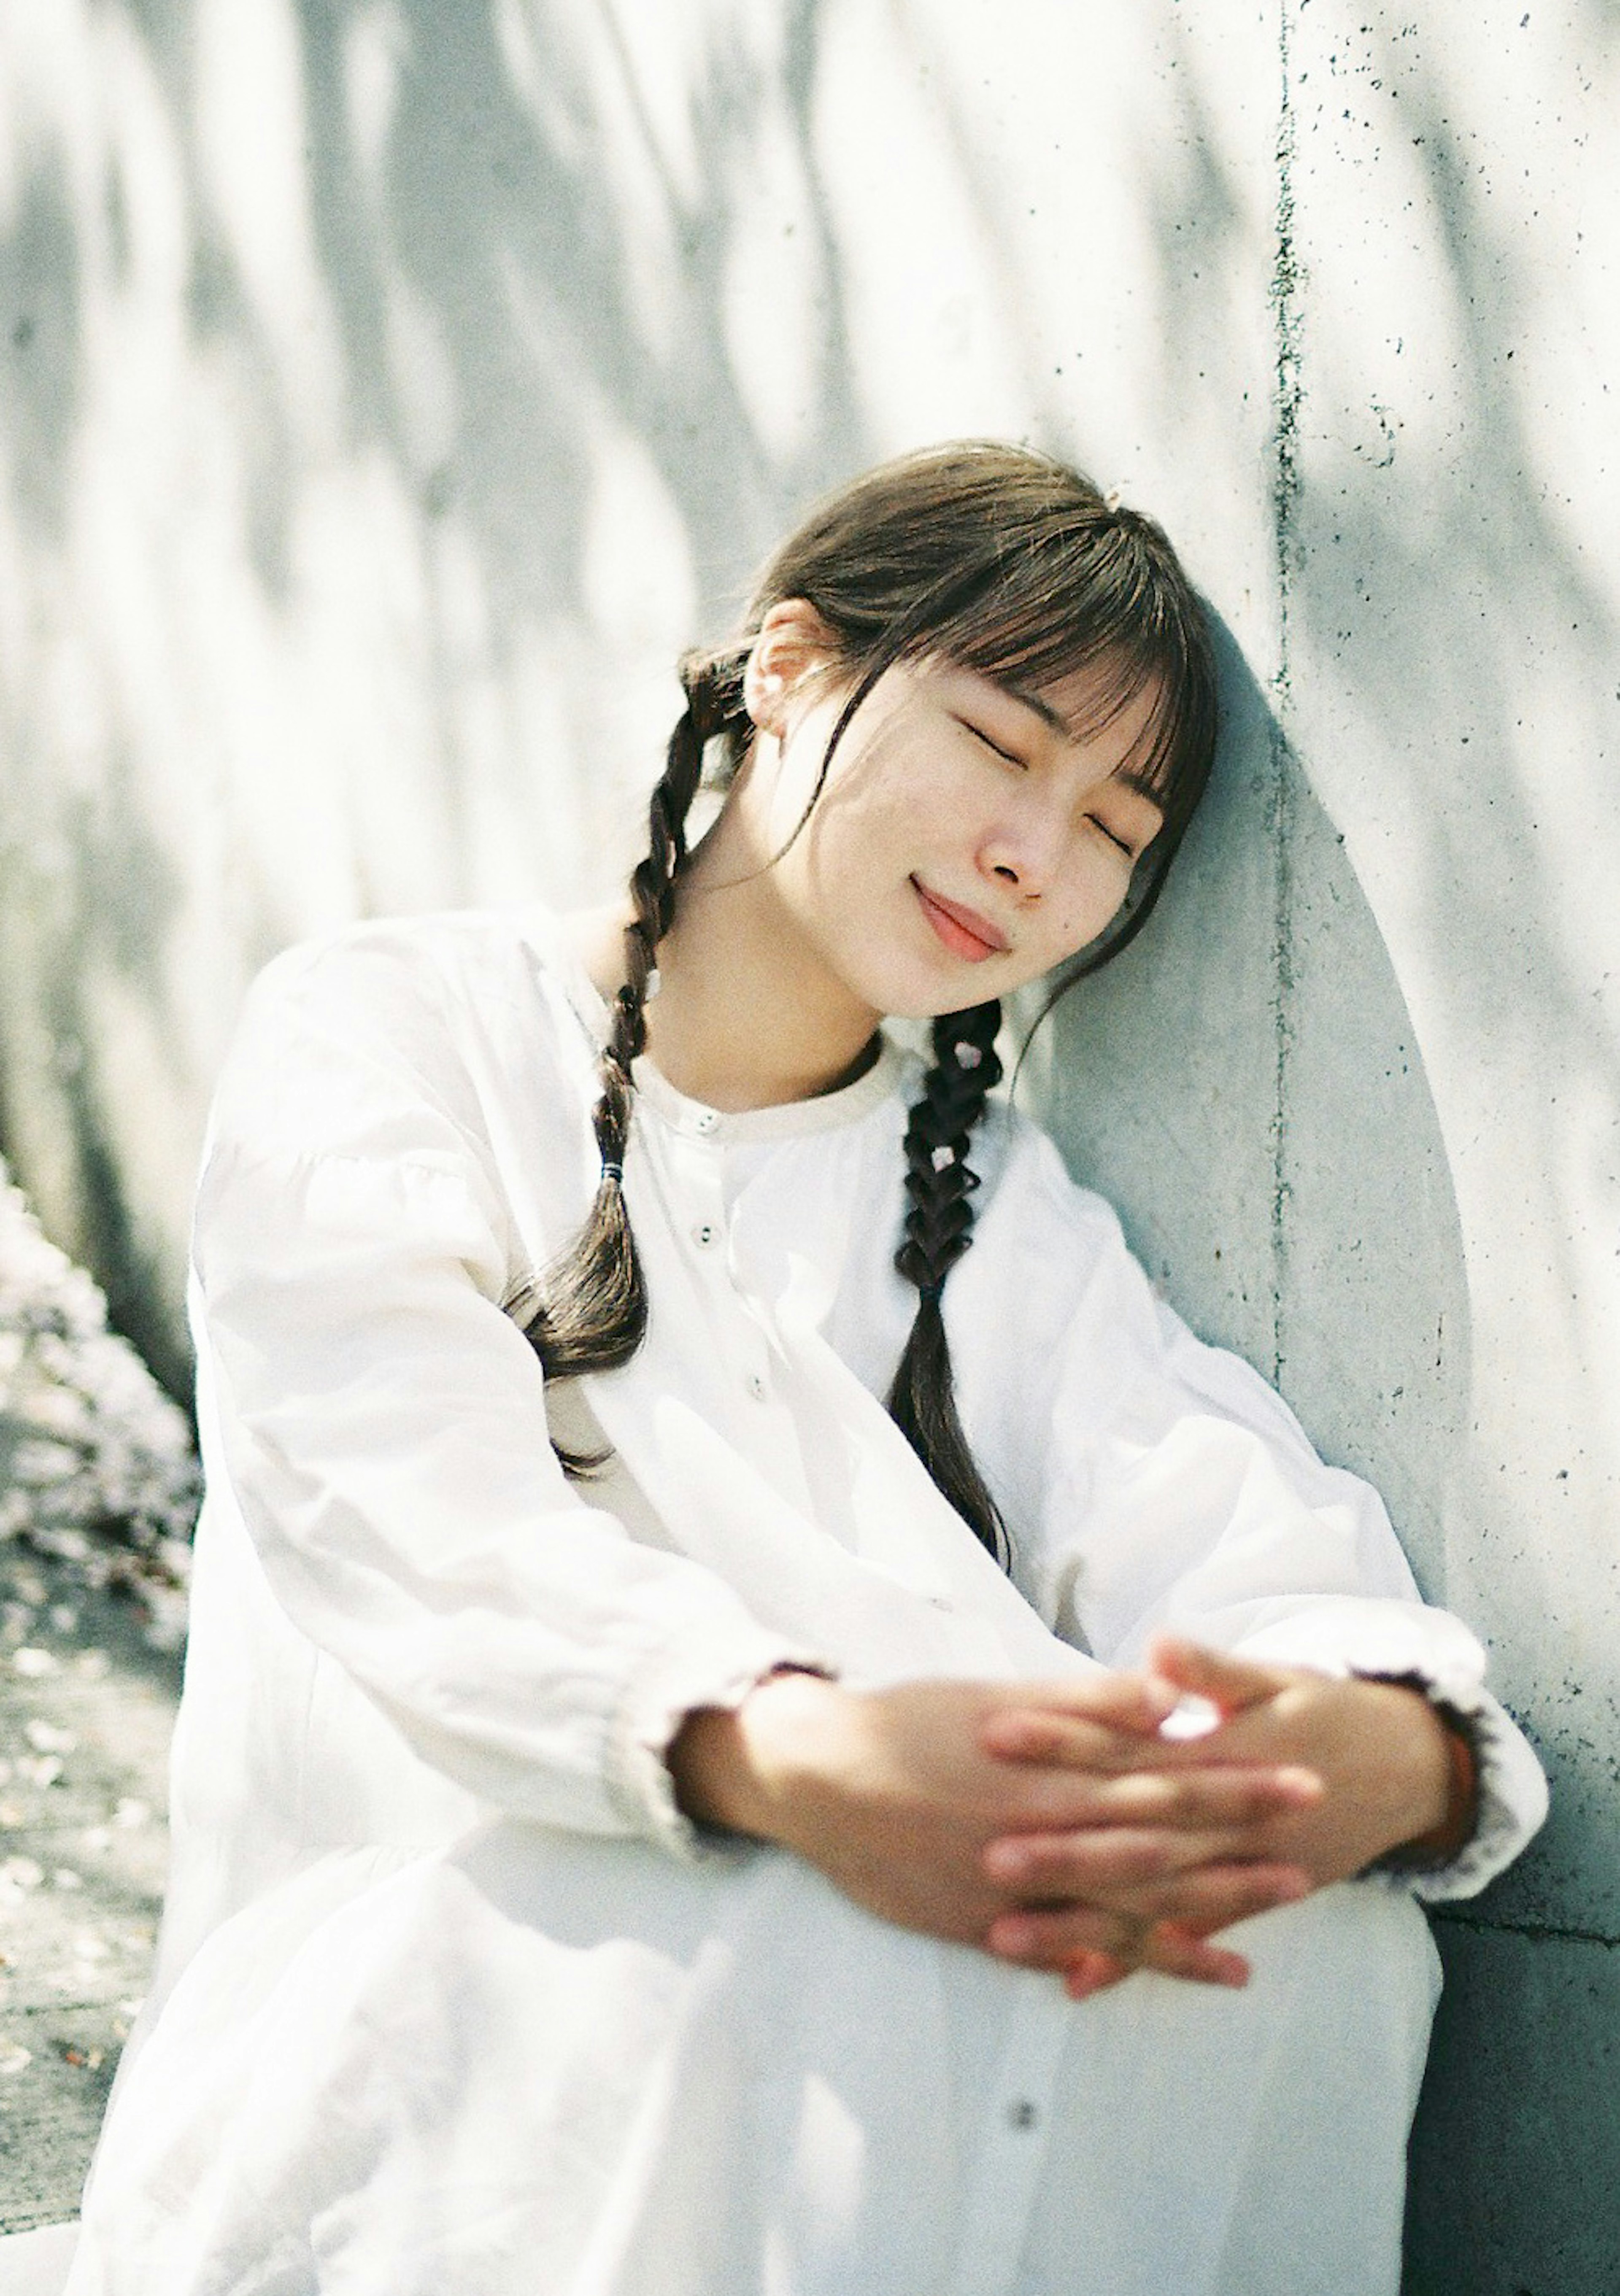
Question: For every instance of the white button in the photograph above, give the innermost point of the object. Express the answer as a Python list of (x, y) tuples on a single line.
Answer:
[(704, 1233), (1022, 2114), (755, 1386), (707, 1121)]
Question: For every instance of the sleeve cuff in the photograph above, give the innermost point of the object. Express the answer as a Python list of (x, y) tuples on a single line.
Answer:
[(710, 1664), (1512, 1802)]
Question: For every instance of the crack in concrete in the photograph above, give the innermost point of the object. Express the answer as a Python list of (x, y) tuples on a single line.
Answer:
[(1549, 1931), (1284, 510)]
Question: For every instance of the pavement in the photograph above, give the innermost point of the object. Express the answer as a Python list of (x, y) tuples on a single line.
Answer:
[(87, 1710)]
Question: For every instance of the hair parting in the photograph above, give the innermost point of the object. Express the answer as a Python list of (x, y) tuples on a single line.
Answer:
[(1001, 560)]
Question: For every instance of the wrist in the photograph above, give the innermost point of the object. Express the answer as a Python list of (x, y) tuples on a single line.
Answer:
[(733, 1766), (1444, 1810), (1454, 1830)]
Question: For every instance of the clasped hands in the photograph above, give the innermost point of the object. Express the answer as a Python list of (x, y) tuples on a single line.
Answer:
[(1053, 1824)]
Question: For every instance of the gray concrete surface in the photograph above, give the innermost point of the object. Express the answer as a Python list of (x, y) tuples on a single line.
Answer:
[(1519, 2189), (391, 387), (86, 1707)]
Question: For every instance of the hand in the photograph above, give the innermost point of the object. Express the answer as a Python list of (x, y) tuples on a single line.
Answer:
[(1379, 1748), (1376, 1752), (897, 1795)]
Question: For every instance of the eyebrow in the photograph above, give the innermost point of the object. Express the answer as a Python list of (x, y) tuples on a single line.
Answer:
[(1141, 784), (1041, 708)]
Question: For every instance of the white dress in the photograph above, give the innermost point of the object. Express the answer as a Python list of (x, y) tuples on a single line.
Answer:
[(451, 2000)]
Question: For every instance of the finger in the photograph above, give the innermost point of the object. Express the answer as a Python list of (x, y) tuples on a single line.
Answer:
[(1047, 1936), (1047, 1734), (1231, 1684), (1050, 1938), (1203, 1796), (1038, 1714), (1176, 1952), (1037, 1734), (1214, 1897), (1234, 1801), (1167, 1953), (1076, 1862), (1109, 1859), (1053, 1940), (1093, 1972)]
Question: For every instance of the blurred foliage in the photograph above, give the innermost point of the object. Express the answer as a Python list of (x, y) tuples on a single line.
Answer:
[(97, 1466)]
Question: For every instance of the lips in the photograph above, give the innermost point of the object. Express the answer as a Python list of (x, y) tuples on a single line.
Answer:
[(964, 931)]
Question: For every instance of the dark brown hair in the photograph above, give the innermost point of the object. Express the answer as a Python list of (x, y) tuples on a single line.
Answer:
[(1006, 562)]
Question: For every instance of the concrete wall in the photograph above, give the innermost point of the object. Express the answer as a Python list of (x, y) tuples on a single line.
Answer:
[(391, 387)]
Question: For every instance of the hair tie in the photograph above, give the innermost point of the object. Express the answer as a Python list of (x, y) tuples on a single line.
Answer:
[(612, 1171)]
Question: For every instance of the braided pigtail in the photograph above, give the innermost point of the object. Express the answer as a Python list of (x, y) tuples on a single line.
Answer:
[(591, 1314), (939, 1229)]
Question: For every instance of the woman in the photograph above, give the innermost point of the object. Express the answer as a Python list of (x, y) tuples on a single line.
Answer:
[(722, 1726)]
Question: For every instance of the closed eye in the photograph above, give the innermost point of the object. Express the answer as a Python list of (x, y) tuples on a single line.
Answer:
[(979, 734), (1125, 847)]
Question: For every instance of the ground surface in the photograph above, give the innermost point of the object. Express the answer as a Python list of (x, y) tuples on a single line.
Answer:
[(86, 1707)]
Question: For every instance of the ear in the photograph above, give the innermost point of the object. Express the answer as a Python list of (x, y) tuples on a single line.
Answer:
[(793, 643)]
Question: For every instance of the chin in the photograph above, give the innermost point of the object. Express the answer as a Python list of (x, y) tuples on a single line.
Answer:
[(921, 984), (926, 1000)]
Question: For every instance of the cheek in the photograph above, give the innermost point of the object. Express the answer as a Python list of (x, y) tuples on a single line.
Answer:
[(866, 828), (1088, 904), (837, 877)]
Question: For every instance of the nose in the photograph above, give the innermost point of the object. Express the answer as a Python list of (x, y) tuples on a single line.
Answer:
[(1021, 852)]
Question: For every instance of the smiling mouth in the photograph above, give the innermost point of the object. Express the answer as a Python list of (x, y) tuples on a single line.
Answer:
[(964, 931)]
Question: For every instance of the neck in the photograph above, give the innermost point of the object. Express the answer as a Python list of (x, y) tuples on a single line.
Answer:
[(747, 1014)]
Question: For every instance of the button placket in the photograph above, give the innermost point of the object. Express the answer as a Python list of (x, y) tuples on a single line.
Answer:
[(760, 1363), (1002, 2182), (697, 1167)]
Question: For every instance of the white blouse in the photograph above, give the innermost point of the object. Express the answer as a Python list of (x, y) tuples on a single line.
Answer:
[(409, 1629)]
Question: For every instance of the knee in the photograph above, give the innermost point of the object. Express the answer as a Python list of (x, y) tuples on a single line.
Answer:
[(1359, 1952)]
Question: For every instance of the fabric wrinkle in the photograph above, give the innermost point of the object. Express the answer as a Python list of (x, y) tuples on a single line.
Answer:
[(454, 1995)]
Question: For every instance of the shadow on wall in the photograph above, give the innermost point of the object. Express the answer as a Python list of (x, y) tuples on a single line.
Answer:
[(428, 275), (1243, 1085), (1457, 588)]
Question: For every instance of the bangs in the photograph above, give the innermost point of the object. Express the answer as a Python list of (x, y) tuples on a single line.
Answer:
[(1087, 608)]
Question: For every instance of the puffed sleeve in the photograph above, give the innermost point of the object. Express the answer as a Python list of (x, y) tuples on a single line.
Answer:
[(1180, 1494), (382, 1424)]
